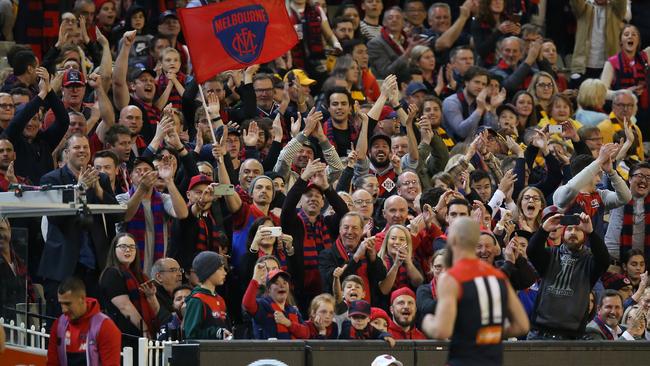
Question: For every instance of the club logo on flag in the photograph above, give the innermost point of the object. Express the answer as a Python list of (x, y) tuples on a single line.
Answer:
[(242, 32)]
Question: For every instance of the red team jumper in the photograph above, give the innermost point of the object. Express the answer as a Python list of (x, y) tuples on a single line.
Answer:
[(482, 301)]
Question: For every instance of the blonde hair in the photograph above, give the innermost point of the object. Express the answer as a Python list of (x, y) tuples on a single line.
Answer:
[(592, 93), (416, 54), (384, 245), (317, 301), (533, 83), (168, 50)]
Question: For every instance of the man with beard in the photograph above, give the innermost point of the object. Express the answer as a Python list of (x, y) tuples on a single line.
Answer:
[(139, 90), (466, 110), (354, 256), (403, 311), (300, 150), (464, 311), (259, 189), (311, 231), (70, 247), (606, 325), (343, 28), (624, 232), (7, 157), (568, 273), (378, 162), (339, 128)]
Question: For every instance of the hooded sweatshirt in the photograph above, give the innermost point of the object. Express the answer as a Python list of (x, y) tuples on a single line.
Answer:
[(109, 339)]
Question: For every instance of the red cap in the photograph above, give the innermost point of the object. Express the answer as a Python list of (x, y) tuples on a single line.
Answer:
[(73, 77), (275, 273), (199, 179), (378, 313), (387, 113), (401, 291)]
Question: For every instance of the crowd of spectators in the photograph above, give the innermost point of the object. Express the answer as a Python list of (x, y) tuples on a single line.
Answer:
[(318, 205)]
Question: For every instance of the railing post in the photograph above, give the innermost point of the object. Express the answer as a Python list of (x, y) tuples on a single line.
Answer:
[(143, 351), (127, 356)]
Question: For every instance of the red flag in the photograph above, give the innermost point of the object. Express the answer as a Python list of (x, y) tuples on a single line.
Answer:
[(236, 33)]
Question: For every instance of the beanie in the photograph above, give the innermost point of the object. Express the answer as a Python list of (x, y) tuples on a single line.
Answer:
[(206, 263)]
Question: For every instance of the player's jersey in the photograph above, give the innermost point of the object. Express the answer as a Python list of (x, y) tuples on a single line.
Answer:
[(482, 305)]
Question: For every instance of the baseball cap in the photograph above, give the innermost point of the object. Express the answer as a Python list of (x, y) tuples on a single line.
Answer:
[(550, 211), (143, 160), (136, 72), (302, 77), (73, 77), (199, 179), (380, 136), (386, 360), (615, 281), (167, 14), (414, 87), (275, 274), (486, 128), (387, 113), (359, 307), (507, 106)]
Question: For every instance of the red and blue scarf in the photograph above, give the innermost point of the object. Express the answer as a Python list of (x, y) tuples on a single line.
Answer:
[(316, 239), (137, 226), (628, 225), (138, 299)]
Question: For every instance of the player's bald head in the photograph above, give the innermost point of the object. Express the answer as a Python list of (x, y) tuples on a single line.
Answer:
[(464, 233)]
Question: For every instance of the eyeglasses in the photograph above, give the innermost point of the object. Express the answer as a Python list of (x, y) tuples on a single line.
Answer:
[(174, 270), (624, 106), (545, 86), (595, 139), (125, 247), (410, 183), (531, 198), (641, 176), (362, 202), (7, 106), (261, 91)]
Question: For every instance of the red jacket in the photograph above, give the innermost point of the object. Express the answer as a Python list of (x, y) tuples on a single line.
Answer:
[(109, 339), (398, 333)]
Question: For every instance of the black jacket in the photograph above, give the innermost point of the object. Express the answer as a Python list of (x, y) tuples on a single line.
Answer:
[(64, 233)]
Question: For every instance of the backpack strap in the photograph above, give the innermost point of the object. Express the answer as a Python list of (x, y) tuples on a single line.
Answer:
[(92, 351), (61, 327)]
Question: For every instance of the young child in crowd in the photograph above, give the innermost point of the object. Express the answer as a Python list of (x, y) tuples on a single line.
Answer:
[(172, 330), (171, 80), (358, 326), (321, 318), (379, 319), (273, 316), (205, 313), (352, 290)]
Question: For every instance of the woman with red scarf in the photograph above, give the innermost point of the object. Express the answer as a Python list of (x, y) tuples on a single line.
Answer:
[(397, 254), (128, 296), (629, 69)]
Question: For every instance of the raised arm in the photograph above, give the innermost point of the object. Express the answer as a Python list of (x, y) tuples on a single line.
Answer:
[(450, 36), (120, 84), (105, 107), (233, 201)]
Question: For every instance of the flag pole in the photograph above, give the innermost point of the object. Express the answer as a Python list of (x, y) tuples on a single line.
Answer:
[(207, 114)]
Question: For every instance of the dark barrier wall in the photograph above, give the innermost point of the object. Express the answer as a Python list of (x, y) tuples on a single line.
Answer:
[(424, 353)]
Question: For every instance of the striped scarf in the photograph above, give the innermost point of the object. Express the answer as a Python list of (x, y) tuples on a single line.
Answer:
[(137, 227), (631, 72), (329, 129), (209, 234), (603, 328), (448, 141), (291, 312), (398, 48), (174, 96), (628, 225), (402, 279), (311, 47), (153, 113), (362, 271), (316, 239), (138, 299)]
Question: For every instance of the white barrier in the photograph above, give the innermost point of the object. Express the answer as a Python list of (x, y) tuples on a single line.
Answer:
[(36, 341), (152, 353)]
